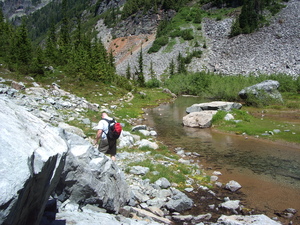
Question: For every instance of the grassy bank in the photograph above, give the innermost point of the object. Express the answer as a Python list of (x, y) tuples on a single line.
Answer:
[(260, 118)]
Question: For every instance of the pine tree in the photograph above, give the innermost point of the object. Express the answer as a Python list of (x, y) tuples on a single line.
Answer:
[(64, 40), (180, 64), (152, 73), (51, 46), (128, 74), (172, 68), (22, 49), (141, 78), (5, 37)]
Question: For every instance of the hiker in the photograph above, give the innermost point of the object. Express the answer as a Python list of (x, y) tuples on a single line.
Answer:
[(106, 145)]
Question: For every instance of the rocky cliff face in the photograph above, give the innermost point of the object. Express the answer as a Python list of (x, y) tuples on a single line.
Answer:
[(272, 49), (12, 9)]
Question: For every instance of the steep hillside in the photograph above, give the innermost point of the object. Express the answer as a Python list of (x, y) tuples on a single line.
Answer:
[(272, 49), (14, 9)]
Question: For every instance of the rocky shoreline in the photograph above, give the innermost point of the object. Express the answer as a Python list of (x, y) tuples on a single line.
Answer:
[(149, 203)]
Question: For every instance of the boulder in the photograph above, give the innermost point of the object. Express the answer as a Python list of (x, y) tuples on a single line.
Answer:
[(163, 183), (147, 143), (245, 220), (179, 201), (32, 158), (261, 91), (90, 177), (216, 105), (199, 119), (233, 186), (72, 129)]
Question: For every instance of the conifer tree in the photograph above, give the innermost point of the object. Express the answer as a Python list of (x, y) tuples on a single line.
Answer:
[(64, 40), (141, 79), (5, 37), (51, 46), (180, 64), (128, 74), (152, 73), (21, 49), (172, 68)]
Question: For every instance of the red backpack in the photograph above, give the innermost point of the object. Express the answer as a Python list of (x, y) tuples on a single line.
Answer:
[(114, 129)]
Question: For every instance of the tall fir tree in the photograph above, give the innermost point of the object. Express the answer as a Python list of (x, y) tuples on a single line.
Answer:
[(128, 74), (172, 68), (141, 78), (51, 52), (180, 64), (5, 37), (21, 49)]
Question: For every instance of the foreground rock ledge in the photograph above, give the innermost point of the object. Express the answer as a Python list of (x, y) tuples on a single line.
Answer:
[(32, 158)]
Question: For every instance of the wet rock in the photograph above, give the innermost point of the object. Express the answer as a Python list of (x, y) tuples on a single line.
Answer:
[(233, 186), (231, 204), (139, 127)]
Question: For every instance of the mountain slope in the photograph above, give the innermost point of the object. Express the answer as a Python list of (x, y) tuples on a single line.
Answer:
[(272, 49)]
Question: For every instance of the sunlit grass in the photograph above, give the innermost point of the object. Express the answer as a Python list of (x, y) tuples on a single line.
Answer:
[(164, 163), (259, 125)]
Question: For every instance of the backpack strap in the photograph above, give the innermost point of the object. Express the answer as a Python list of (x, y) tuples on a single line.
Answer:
[(109, 122)]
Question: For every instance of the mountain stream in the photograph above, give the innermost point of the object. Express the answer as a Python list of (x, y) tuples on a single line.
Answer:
[(268, 172)]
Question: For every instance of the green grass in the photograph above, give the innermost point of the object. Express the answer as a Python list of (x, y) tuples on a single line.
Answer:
[(256, 122), (173, 170)]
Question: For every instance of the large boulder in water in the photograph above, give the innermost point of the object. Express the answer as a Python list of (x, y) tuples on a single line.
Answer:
[(32, 158), (199, 119), (215, 105), (264, 91)]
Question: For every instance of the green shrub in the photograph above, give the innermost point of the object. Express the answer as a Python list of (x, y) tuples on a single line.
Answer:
[(154, 48), (153, 83), (287, 83), (187, 34), (158, 43)]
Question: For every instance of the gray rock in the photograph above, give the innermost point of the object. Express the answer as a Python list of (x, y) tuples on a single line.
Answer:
[(179, 202), (72, 129), (144, 213), (261, 91), (146, 143), (145, 132), (199, 119), (91, 179), (139, 127), (163, 183), (32, 158), (231, 204), (216, 105), (233, 186), (245, 220), (139, 170)]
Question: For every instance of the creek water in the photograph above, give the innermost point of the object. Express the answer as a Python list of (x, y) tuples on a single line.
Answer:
[(268, 172)]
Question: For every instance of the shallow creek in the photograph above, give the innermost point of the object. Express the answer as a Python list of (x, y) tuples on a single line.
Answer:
[(268, 172)]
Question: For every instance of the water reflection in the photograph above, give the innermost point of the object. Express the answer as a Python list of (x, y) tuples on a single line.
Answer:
[(268, 161)]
